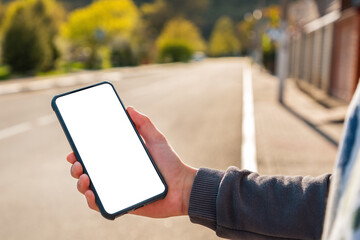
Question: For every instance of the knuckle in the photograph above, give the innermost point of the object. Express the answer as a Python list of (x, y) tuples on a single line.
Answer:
[(161, 137), (146, 119)]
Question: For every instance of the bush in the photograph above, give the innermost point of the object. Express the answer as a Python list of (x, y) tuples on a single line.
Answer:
[(25, 48), (175, 52), (29, 31), (4, 72), (179, 39), (96, 25), (223, 41)]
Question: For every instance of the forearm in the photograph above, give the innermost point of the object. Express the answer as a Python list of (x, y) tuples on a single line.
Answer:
[(243, 204)]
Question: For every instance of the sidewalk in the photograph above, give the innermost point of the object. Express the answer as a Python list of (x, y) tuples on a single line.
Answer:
[(297, 138)]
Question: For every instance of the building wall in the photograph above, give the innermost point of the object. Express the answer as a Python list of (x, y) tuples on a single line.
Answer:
[(327, 55), (311, 54), (325, 52), (345, 73)]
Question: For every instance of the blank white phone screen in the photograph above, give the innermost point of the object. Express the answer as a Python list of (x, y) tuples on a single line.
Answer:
[(109, 147)]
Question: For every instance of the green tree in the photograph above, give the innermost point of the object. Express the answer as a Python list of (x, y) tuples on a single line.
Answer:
[(98, 24), (29, 31), (159, 12), (2, 12), (178, 40), (28, 52), (223, 41), (50, 15)]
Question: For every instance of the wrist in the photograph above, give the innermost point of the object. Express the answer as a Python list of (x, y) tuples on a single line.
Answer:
[(187, 186)]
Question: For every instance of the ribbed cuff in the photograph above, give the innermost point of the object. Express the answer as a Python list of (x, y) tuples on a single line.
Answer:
[(202, 205)]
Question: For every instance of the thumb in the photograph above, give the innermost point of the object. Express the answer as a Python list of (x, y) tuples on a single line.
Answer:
[(145, 127)]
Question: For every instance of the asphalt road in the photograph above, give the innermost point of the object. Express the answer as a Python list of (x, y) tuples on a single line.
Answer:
[(197, 106)]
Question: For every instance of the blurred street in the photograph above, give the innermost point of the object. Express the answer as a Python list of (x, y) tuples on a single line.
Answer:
[(198, 106)]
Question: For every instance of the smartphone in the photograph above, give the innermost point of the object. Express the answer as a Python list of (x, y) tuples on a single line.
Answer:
[(105, 141)]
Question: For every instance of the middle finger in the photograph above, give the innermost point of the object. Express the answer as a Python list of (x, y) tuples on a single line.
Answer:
[(76, 170)]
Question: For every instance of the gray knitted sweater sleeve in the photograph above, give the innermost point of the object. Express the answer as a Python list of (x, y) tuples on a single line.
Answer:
[(239, 204)]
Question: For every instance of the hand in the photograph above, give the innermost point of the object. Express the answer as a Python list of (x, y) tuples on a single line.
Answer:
[(178, 176)]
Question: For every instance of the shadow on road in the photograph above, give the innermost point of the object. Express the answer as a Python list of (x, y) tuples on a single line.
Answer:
[(310, 124)]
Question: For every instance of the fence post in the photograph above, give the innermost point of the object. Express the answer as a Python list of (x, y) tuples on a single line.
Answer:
[(282, 57)]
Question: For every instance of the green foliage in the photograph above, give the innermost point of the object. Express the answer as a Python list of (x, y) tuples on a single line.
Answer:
[(273, 14), (67, 66), (269, 52), (179, 35), (29, 31), (28, 52), (122, 54), (182, 31), (2, 13), (235, 9), (189, 7), (50, 15), (91, 34), (4, 72), (175, 52), (204, 13), (99, 23), (223, 41), (76, 66), (157, 13)]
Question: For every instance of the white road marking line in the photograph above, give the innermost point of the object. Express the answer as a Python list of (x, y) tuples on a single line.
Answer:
[(14, 130), (26, 126), (248, 148)]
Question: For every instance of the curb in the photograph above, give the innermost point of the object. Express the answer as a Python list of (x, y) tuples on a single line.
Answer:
[(43, 83), (318, 95), (30, 84)]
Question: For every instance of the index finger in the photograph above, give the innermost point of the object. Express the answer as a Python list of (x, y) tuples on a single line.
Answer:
[(71, 158)]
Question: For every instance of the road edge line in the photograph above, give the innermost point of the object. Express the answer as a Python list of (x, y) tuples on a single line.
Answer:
[(248, 146)]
